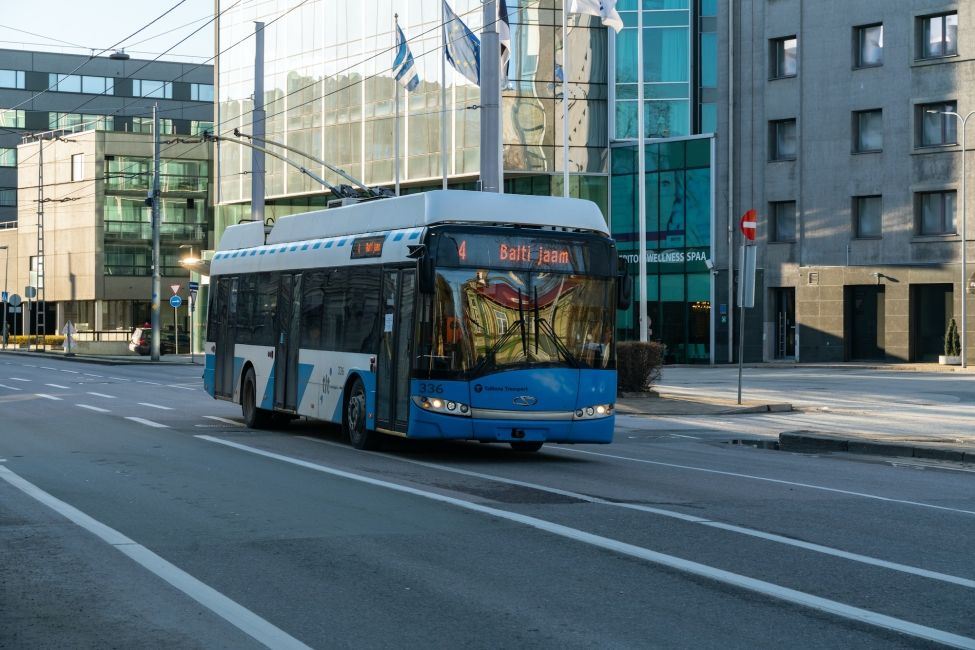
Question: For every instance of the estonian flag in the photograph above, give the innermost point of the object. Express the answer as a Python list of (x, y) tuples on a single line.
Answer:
[(403, 66), (504, 38), (463, 49)]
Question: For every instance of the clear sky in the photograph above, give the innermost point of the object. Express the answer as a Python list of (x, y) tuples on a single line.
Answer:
[(98, 24)]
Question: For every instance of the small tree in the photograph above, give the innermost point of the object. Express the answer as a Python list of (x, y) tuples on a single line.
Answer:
[(638, 365), (952, 342)]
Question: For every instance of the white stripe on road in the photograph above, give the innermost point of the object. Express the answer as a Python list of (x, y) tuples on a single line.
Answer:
[(57, 386), (9, 387), (47, 368), (687, 566), (102, 395), (18, 379), (835, 552), (156, 406), (151, 383), (93, 408), (148, 423), (73, 372), (46, 396), (89, 374), (118, 378), (224, 420), (181, 387), (769, 480), (227, 609)]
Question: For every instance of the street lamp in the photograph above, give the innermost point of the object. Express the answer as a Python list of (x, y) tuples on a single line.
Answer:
[(964, 237), (6, 296)]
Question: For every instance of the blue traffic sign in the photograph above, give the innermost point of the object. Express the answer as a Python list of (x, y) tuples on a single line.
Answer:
[(194, 286), (3, 296), (175, 302)]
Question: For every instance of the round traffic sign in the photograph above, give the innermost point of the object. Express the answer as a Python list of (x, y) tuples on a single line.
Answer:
[(30, 292), (14, 300), (175, 302), (749, 224)]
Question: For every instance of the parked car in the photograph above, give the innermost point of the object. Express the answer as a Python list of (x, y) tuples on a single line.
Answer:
[(141, 341)]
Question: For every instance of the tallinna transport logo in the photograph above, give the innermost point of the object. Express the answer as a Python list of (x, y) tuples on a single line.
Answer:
[(478, 388)]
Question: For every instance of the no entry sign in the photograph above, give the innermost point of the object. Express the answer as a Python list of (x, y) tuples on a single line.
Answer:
[(749, 224)]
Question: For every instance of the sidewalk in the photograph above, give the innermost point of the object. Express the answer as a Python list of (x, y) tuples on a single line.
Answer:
[(109, 359), (663, 403)]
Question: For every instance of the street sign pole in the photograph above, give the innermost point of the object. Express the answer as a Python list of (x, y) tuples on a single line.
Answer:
[(746, 283)]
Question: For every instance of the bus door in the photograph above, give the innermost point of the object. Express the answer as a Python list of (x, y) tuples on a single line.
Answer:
[(224, 336), (286, 346), (395, 353)]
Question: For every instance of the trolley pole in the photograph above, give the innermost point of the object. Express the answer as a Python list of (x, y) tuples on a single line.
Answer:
[(154, 202)]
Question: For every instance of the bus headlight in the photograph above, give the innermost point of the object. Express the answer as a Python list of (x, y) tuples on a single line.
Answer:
[(593, 412), (438, 405)]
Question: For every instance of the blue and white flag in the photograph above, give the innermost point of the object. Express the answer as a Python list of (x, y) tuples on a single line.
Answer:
[(463, 49), (403, 66), (605, 9), (504, 39)]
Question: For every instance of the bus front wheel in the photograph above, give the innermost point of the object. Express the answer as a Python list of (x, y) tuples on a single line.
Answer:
[(354, 421), (255, 418), (522, 445)]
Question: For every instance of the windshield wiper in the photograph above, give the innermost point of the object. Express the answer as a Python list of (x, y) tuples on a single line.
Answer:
[(521, 319), (559, 344), (497, 346)]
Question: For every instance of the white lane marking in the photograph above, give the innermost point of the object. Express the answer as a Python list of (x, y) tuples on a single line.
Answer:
[(30, 365), (677, 435), (148, 423), (818, 548), (90, 374), (73, 372), (46, 396), (151, 383), (769, 480), (47, 368), (687, 566), (93, 408), (9, 387), (156, 406), (181, 387), (119, 378), (18, 379), (224, 420), (102, 395), (227, 609), (57, 386)]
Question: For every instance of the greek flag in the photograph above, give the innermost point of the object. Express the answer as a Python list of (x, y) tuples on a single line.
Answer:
[(403, 66), (462, 48)]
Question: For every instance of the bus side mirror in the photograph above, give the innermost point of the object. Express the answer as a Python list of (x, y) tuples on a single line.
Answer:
[(624, 289)]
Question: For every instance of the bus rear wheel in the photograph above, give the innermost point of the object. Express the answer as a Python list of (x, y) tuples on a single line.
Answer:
[(255, 418), (354, 421), (522, 445)]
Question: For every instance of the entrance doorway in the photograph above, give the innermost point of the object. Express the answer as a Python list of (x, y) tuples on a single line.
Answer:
[(784, 313), (864, 322), (932, 306)]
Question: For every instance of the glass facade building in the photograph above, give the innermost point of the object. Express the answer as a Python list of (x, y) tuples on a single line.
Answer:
[(329, 92)]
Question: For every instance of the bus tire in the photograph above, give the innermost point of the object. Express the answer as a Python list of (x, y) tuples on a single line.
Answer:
[(525, 445), (254, 417), (354, 420)]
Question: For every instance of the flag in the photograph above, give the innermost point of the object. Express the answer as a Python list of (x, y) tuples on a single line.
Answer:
[(605, 9), (462, 48), (504, 38), (403, 66)]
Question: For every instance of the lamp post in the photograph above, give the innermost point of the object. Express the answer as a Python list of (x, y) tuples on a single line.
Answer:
[(190, 263), (6, 296), (964, 238)]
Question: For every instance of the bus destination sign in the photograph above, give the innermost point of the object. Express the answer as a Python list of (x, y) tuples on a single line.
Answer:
[(368, 246), (516, 252)]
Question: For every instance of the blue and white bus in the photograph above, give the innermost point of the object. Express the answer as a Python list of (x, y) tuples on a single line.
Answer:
[(441, 315)]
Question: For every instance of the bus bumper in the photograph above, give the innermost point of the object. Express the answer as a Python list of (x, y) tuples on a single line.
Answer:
[(428, 425)]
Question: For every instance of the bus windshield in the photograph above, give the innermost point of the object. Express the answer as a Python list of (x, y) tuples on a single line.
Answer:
[(481, 321)]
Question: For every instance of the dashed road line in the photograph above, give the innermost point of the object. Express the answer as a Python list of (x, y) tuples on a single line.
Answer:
[(47, 368), (156, 406), (148, 423), (93, 408), (102, 395), (9, 387), (151, 383), (90, 374), (180, 387), (224, 420), (18, 379), (46, 396), (73, 372), (58, 386)]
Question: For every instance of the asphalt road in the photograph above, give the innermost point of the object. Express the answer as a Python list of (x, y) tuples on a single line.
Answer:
[(137, 512)]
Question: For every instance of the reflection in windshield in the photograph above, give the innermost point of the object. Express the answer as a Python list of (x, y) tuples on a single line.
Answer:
[(480, 321)]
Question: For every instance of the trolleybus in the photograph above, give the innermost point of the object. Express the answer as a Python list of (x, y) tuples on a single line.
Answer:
[(441, 315)]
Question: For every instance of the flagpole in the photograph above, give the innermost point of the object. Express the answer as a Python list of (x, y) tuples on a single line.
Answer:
[(641, 149), (396, 119), (565, 99), (443, 95)]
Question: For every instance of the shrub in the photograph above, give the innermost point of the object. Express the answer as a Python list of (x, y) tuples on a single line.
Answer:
[(638, 365), (952, 342), (34, 339)]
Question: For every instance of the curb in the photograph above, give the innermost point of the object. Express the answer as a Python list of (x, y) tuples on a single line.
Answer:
[(690, 407), (96, 360), (814, 442)]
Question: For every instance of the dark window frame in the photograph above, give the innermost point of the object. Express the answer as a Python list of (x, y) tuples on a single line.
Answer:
[(774, 155), (949, 125), (857, 216), (775, 229), (777, 57), (859, 31), (919, 213), (857, 134), (920, 31)]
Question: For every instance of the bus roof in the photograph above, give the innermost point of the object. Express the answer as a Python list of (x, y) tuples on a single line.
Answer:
[(420, 210)]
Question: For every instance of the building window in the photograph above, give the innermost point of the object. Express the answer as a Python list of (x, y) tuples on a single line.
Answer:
[(8, 197), (152, 88), (867, 217), (936, 213), (201, 92), (78, 167), (11, 119), (869, 46), (12, 79), (8, 157), (782, 139), (783, 221), (937, 35), (868, 129), (198, 127), (934, 128), (76, 121), (144, 125), (782, 56)]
